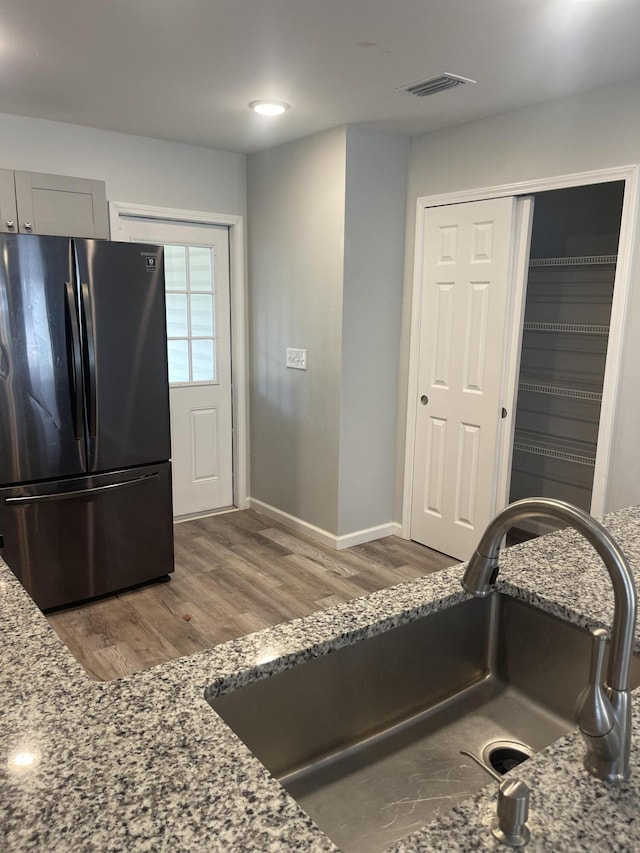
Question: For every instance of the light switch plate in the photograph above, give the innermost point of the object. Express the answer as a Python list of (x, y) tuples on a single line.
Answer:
[(296, 358)]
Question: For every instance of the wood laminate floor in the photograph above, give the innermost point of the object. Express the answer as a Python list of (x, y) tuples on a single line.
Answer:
[(234, 574)]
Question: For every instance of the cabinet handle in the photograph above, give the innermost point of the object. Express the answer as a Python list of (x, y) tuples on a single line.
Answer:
[(11, 223), (27, 225)]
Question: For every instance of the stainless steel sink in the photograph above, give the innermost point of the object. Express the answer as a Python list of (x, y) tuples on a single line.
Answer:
[(367, 738)]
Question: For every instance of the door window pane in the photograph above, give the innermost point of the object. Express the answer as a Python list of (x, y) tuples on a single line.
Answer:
[(177, 322), (201, 316), (175, 267), (190, 313), (203, 361), (178, 353), (200, 269)]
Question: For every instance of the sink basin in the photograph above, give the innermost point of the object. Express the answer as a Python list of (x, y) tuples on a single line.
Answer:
[(367, 739)]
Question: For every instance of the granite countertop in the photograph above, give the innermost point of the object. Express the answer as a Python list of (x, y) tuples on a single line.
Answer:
[(144, 764)]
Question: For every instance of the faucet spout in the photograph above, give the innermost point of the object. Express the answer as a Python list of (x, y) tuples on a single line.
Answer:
[(481, 573)]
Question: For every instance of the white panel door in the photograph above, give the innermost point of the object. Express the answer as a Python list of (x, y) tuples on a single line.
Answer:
[(465, 296), (199, 350)]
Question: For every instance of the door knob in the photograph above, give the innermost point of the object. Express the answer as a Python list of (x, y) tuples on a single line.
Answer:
[(11, 223), (27, 225), (424, 399)]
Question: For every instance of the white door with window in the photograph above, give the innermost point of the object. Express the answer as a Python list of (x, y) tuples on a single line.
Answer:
[(467, 260), (199, 352)]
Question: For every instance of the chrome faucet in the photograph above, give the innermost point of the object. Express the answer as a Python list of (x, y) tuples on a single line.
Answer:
[(603, 711)]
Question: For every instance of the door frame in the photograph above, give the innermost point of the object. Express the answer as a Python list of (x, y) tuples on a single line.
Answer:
[(118, 211), (630, 175)]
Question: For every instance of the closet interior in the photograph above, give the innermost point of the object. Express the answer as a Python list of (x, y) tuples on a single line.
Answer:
[(570, 283)]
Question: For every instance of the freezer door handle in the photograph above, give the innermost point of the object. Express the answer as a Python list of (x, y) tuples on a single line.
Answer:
[(79, 493), (90, 356), (76, 361)]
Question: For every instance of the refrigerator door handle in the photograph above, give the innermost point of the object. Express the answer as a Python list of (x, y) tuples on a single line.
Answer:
[(79, 493), (90, 355), (76, 361)]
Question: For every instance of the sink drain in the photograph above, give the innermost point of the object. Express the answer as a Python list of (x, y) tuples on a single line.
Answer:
[(504, 755)]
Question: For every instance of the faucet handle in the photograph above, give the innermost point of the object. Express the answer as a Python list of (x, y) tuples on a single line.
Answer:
[(595, 716)]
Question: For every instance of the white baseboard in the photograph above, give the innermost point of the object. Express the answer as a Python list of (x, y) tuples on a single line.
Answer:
[(358, 537), (367, 534)]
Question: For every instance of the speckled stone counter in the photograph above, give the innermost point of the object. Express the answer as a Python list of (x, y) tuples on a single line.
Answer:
[(144, 763)]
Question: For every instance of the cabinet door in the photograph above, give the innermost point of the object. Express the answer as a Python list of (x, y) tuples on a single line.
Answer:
[(8, 212), (62, 206)]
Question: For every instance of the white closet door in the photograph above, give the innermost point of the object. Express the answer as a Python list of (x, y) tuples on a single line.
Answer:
[(466, 272)]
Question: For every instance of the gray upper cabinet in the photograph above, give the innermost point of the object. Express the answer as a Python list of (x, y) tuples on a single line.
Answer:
[(53, 204), (8, 210)]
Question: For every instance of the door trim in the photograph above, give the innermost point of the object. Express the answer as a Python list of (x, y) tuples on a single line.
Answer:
[(119, 211), (630, 175), (513, 346)]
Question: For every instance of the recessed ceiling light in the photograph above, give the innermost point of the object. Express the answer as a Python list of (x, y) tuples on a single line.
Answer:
[(269, 108)]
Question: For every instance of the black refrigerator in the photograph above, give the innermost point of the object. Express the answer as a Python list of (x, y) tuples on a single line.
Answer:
[(85, 476)]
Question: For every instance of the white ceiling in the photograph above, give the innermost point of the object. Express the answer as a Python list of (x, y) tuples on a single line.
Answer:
[(185, 70)]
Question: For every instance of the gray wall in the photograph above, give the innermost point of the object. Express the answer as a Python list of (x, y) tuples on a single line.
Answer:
[(326, 247), (372, 298), (595, 130), (136, 169), (295, 244)]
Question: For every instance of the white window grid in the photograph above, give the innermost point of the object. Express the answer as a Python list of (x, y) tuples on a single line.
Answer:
[(190, 337)]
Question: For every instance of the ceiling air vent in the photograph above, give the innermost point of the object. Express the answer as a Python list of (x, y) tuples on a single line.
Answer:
[(435, 85)]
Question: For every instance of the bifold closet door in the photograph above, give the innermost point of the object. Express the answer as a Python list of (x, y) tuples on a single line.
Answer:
[(466, 272)]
